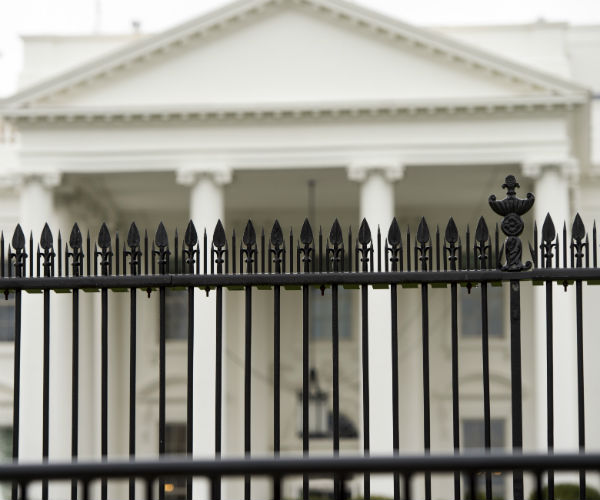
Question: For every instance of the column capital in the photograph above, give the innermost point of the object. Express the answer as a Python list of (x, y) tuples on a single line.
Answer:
[(392, 170), (219, 174), (47, 178), (568, 168)]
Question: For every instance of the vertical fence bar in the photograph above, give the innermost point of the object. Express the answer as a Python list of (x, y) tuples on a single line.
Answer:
[(365, 384), (86, 490), (305, 383), (516, 399), (307, 252), (248, 249), (46, 389), (247, 384), (538, 485), (162, 383), (579, 250), (31, 259), (423, 252), (104, 384), (485, 357), (189, 436), (366, 254), (75, 387), (336, 379), (407, 487), (106, 255), (219, 255), (277, 488), (426, 400), (188, 258), (133, 241), (48, 265), (550, 381), (16, 385), (455, 394), (395, 403), (472, 484), (218, 383), (580, 383), (132, 378), (150, 489), (276, 369), (20, 271)]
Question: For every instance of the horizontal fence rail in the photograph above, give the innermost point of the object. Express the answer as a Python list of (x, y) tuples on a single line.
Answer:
[(213, 263), (277, 469)]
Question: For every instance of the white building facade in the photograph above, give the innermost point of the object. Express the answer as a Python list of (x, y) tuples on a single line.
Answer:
[(281, 109)]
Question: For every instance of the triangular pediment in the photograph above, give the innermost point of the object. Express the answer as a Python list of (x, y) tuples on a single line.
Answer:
[(266, 52)]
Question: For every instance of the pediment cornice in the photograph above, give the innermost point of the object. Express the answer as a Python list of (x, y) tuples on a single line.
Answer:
[(296, 111), (243, 11)]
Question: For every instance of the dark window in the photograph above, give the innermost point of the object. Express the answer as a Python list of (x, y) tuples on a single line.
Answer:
[(176, 314), (175, 444), (474, 438), (470, 311), (321, 314), (7, 318)]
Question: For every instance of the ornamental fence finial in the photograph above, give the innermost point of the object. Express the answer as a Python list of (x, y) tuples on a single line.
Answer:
[(511, 208)]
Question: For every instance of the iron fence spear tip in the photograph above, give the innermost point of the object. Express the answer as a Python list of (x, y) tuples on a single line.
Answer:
[(276, 234), (133, 236), (481, 233), (451, 235), (104, 236), (335, 235), (190, 237), (249, 237), (219, 238), (161, 237), (548, 230), (364, 233), (75, 238), (394, 234), (423, 232), (46, 239), (18, 239), (306, 234), (578, 230)]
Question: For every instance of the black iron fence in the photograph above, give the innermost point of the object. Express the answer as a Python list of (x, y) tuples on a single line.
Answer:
[(213, 263)]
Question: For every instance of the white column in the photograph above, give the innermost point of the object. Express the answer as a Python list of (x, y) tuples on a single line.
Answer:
[(552, 196), (36, 208), (207, 206), (377, 207)]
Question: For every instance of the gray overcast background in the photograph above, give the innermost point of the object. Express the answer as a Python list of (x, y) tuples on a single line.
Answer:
[(19, 17)]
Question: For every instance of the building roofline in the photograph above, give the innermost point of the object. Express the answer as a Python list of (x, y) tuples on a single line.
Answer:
[(241, 10)]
